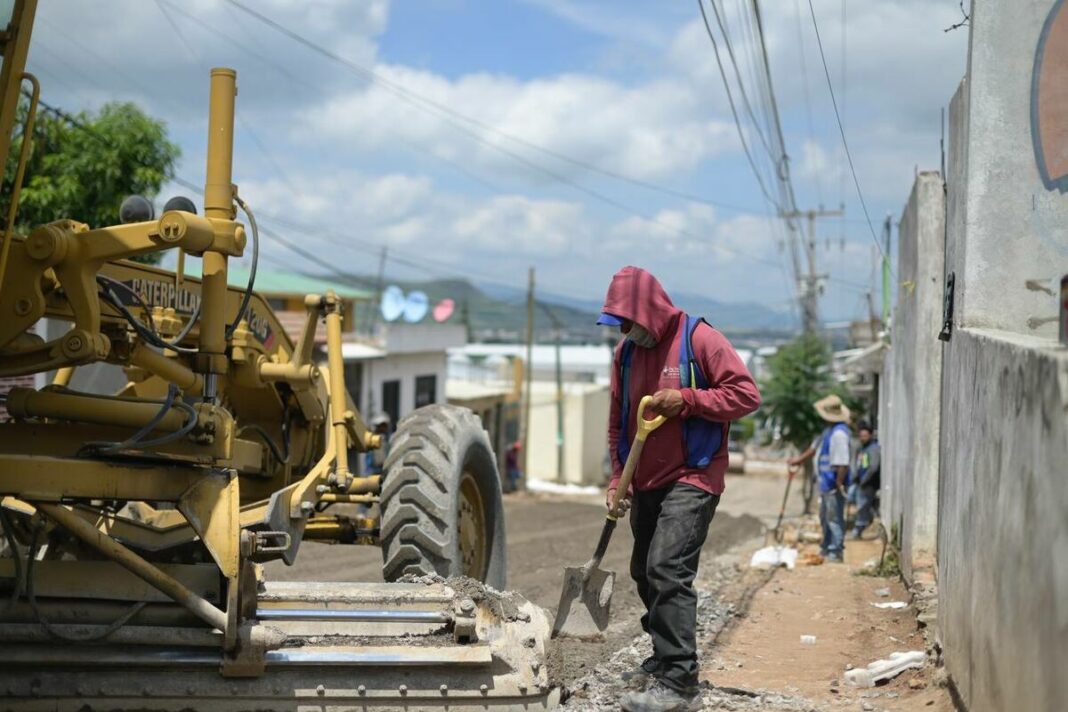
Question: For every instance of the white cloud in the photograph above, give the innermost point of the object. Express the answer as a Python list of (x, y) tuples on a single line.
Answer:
[(650, 131), (343, 148)]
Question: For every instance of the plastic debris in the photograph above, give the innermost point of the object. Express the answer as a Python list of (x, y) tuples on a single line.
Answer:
[(885, 669), (808, 640), (883, 592), (771, 557), (895, 605)]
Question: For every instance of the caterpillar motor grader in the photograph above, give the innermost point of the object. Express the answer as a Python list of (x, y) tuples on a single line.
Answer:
[(135, 525)]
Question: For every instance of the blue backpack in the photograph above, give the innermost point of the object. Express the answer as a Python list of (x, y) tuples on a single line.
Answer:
[(701, 439)]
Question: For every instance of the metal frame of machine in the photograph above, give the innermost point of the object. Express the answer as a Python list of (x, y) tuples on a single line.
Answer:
[(146, 514)]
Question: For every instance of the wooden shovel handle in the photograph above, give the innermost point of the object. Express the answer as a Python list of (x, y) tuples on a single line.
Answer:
[(644, 428)]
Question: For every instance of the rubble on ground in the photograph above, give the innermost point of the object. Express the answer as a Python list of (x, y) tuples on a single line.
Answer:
[(602, 688)]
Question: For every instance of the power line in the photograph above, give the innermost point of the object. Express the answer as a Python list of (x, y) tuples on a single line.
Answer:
[(841, 131), (437, 109), (451, 116), (741, 84), (807, 96), (734, 110)]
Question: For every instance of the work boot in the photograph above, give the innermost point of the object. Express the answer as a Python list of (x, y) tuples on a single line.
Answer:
[(640, 676), (661, 698)]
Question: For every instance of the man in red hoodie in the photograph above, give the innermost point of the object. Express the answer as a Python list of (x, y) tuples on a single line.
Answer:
[(679, 480)]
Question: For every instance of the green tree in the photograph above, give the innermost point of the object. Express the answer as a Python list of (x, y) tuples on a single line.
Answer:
[(799, 375), (84, 165)]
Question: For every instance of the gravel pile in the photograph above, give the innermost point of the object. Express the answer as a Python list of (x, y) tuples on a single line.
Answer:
[(720, 600)]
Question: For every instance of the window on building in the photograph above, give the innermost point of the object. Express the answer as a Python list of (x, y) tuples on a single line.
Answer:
[(426, 390), (354, 384), (391, 400)]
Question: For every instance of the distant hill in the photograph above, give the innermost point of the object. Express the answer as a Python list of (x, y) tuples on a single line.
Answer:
[(499, 313)]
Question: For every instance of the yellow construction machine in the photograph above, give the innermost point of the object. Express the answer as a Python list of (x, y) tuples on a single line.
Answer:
[(135, 524)]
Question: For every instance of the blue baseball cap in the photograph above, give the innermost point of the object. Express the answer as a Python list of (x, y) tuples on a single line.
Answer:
[(607, 319)]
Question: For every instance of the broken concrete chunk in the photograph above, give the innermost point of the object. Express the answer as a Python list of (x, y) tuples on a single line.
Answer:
[(885, 669)]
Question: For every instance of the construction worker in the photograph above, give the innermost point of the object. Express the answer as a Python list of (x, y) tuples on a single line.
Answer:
[(866, 471), (701, 384), (375, 460), (832, 472)]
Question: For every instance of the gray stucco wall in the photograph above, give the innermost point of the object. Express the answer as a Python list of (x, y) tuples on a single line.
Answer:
[(911, 402), (1003, 530), (1017, 229)]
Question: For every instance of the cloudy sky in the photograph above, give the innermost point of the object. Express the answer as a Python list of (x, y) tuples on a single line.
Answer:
[(478, 138)]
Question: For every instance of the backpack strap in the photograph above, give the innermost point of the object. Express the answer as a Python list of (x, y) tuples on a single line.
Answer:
[(691, 375), (623, 445)]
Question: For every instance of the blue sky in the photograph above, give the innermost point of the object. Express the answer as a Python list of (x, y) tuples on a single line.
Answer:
[(463, 175)]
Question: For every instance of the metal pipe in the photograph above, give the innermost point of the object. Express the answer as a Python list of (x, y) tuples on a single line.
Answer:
[(20, 172), (169, 369), (135, 564), (218, 203), (337, 388), (289, 372), (63, 376), (127, 635), (340, 614), (348, 498), (86, 408)]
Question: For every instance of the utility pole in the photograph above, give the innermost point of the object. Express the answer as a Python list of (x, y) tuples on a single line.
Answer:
[(871, 318), (888, 226), (557, 331), (810, 282), (529, 374), (378, 292)]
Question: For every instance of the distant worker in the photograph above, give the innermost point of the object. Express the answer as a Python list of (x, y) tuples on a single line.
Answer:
[(866, 470), (700, 383), (832, 472), (511, 465), (374, 460)]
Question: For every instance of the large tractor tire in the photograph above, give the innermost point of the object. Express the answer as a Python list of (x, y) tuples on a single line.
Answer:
[(441, 499)]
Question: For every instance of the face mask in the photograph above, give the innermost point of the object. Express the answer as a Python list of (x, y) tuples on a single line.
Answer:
[(641, 337)]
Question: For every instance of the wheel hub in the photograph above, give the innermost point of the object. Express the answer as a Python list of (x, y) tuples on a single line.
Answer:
[(471, 528)]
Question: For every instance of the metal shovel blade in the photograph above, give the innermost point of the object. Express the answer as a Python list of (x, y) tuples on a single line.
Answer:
[(584, 603)]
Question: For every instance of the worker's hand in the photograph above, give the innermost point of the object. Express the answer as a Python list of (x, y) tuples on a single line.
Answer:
[(624, 504), (667, 402), (793, 462)]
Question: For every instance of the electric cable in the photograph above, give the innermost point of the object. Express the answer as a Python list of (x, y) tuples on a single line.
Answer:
[(252, 268), (145, 331), (734, 109), (49, 627), (841, 132), (271, 444), (136, 440), (12, 543)]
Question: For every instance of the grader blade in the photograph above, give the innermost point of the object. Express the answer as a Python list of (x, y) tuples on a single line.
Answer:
[(372, 646)]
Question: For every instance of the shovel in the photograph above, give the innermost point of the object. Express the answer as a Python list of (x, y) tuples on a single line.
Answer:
[(587, 593)]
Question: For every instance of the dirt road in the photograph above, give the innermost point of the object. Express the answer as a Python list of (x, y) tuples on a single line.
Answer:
[(546, 533)]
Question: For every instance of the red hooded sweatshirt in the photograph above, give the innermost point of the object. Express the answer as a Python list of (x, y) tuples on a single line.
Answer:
[(637, 296)]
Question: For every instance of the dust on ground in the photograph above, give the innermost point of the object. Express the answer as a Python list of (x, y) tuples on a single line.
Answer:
[(764, 650)]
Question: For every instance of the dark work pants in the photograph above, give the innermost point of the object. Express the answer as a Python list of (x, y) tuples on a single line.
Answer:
[(669, 527)]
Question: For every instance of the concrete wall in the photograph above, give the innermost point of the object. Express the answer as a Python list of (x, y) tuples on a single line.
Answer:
[(1003, 453), (1017, 229), (586, 410), (404, 368), (910, 404), (1003, 530)]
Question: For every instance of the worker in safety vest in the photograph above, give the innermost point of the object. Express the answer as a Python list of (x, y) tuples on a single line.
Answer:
[(701, 384), (832, 472)]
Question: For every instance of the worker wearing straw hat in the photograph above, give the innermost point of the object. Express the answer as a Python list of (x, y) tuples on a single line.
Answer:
[(832, 448)]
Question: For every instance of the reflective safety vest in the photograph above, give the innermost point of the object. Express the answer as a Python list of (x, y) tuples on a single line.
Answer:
[(828, 478), (701, 439)]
